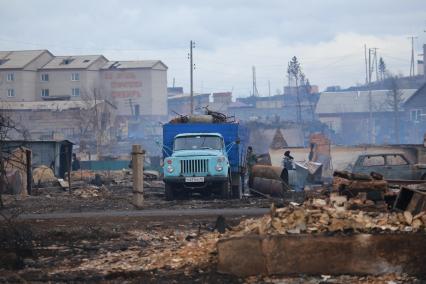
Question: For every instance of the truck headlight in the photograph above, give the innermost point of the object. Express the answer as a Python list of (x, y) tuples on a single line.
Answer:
[(220, 159), (170, 169), (219, 167)]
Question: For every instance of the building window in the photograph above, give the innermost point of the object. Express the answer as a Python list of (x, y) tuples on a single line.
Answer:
[(45, 77), (416, 115), (45, 92), (75, 92), (10, 77), (75, 77), (10, 93)]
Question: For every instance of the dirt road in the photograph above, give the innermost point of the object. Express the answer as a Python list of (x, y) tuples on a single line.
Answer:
[(234, 212)]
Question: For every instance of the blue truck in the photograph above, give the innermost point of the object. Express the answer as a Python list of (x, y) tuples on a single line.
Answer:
[(203, 157)]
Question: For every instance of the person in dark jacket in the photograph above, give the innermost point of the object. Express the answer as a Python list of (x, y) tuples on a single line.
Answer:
[(75, 165), (251, 160), (288, 161)]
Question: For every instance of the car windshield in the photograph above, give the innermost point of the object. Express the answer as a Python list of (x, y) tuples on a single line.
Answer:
[(198, 142)]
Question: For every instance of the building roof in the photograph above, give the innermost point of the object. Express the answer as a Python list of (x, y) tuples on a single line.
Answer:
[(72, 62), (186, 96), (416, 96), (48, 105), (357, 101), (38, 141), (222, 94), (136, 64), (18, 59)]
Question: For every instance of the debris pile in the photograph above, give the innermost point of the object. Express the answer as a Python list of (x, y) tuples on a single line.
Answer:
[(91, 191), (369, 190), (177, 252), (43, 175), (316, 216)]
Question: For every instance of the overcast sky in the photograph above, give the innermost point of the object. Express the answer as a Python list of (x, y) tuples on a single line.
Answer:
[(231, 36)]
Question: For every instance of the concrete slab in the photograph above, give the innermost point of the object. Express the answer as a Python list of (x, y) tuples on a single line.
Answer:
[(314, 254)]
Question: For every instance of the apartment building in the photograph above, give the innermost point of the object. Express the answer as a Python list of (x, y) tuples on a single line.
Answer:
[(70, 78), (19, 73), (137, 88), (50, 95)]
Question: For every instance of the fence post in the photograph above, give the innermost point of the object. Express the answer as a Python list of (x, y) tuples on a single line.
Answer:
[(137, 169), (28, 154)]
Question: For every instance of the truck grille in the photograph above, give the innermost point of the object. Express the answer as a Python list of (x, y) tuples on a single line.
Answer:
[(194, 166)]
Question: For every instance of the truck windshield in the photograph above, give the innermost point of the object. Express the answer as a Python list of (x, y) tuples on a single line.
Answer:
[(198, 142)]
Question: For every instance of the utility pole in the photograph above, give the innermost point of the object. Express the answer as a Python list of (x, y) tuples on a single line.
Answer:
[(269, 87), (412, 68), (375, 63), (255, 92), (366, 68), (191, 68), (370, 100)]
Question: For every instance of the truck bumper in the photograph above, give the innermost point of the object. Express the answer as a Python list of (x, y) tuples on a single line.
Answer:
[(208, 181)]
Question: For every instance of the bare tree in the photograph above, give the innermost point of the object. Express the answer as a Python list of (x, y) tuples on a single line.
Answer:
[(93, 119)]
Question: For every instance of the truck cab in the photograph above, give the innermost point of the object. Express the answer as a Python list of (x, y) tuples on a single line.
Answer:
[(198, 163)]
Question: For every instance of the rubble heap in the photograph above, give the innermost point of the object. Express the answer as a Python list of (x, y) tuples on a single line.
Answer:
[(43, 175), (316, 216), (91, 191)]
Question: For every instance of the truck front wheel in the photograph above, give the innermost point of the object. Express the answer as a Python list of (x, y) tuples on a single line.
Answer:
[(226, 186), (169, 192)]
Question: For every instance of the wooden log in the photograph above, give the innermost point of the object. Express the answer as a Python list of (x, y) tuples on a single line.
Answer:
[(360, 176), (368, 185), (342, 174)]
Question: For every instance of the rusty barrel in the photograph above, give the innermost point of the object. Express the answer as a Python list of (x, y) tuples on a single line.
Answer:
[(267, 186), (269, 172)]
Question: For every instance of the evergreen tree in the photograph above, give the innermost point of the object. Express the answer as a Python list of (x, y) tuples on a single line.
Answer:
[(382, 69)]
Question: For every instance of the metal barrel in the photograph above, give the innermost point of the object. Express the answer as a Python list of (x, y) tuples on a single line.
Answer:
[(269, 172), (268, 186)]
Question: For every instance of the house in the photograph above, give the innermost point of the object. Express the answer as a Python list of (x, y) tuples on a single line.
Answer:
[(347, 113), (55, 154), (73, 120), (181, 104), (274, 108), (415, 108)]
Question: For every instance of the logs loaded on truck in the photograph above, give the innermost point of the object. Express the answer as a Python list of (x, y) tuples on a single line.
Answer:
[(203, 154)]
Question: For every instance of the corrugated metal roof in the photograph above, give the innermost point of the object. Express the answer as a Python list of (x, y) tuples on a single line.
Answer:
[(71, 62), (357, 101), (132, 64), (18, 59), (48, 105)]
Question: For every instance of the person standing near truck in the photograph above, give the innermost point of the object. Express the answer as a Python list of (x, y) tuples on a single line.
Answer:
[(288, 161)]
